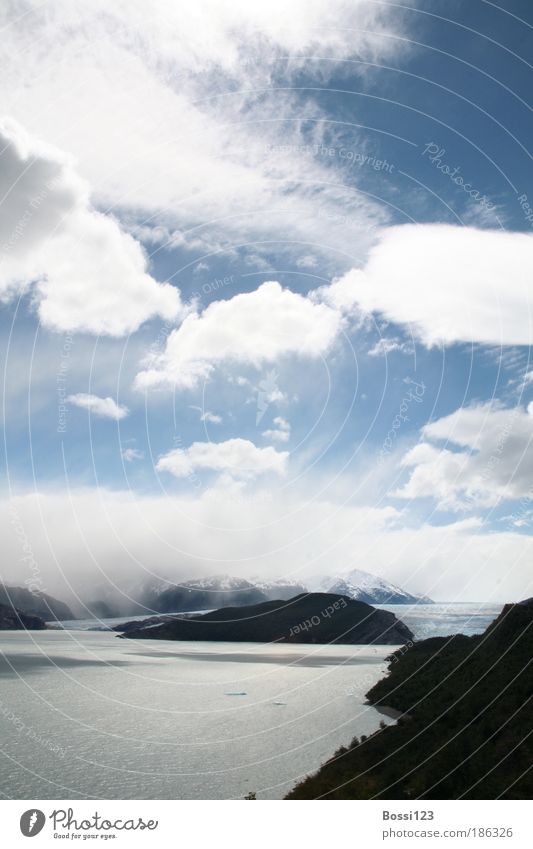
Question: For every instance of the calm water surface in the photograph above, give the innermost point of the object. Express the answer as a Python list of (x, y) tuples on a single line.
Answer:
[(86, 714)]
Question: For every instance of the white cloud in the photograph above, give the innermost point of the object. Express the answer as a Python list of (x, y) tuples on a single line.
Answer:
[(129, 91), (254, 328), (487, 457), (386, 346), (132, 537), (446, 284), (211, 418), (207, 415), (282, 431), (239, 459), (107, 408), (307, 261), (89, 275), (132, 454)]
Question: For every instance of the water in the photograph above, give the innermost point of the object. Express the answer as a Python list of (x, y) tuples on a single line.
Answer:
[(84, 714), (443, 619), (88, 715)]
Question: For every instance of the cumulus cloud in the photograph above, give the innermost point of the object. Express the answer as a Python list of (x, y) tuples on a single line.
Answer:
[(253, 328), (239, 459), (88, 274), (477, 456), (281, 432), (446, 284), (106, 408)]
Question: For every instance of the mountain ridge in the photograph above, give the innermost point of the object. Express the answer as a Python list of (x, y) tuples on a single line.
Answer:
[(307, 618), (364, 586), (34, 603)]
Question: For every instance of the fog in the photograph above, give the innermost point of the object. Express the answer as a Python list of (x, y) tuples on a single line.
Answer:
[(86, 544)]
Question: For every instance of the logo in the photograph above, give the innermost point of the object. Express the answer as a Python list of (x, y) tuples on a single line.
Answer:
[(32, 822)]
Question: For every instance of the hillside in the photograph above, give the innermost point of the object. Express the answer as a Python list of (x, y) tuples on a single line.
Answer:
[(12, 619), (467, 732), (35, 603), (308, 618)]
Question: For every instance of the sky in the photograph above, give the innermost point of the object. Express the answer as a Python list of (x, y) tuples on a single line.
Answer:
[(265, 288)]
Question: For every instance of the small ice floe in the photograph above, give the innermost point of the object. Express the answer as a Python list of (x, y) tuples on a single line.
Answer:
[(236, 694)]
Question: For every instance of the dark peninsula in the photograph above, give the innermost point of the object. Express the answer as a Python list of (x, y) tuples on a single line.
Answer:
[(306, 618)]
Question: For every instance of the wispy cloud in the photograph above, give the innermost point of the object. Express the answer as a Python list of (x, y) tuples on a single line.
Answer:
[(132, 454), (193, 152)]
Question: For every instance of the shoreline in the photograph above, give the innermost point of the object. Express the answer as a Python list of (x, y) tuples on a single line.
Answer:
[(391, 712)]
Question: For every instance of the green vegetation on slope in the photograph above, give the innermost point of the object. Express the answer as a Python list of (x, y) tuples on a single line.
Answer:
[(467, 731)]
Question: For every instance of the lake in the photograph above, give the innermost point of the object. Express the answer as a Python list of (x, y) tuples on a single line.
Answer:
[(87, 715)]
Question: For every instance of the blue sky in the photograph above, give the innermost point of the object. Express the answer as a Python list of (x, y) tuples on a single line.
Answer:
[(265, 289)]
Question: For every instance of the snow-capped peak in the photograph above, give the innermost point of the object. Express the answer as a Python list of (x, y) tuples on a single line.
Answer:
[(364, 586)]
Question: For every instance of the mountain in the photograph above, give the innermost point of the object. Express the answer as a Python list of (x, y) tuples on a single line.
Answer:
[(12, 619), (363, 586), (279, 588), (203, 594), (218, 591), (35, 603), (467, 725), (308, 618)]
